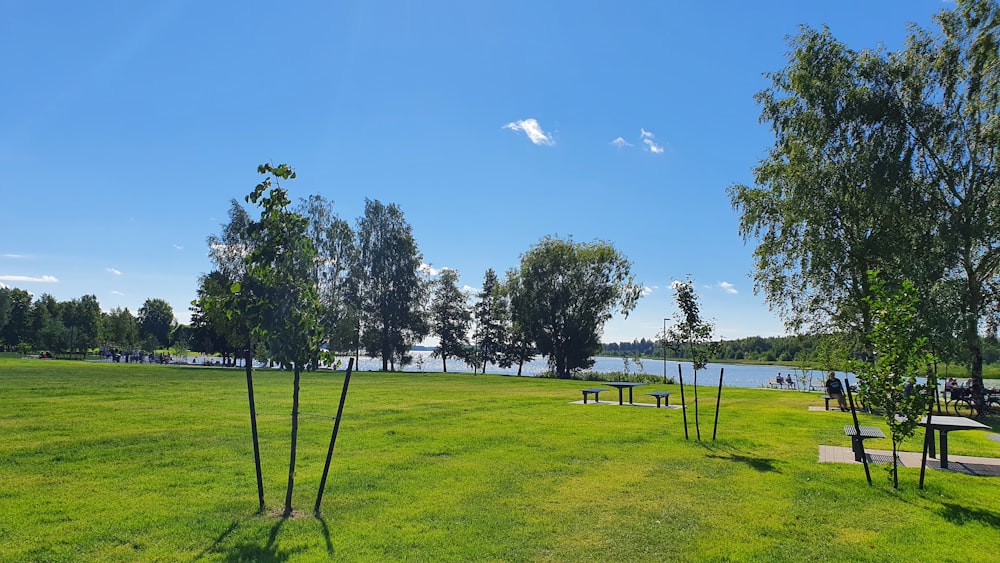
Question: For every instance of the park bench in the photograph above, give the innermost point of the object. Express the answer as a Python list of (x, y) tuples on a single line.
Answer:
[(826, 400), (857, 440), (665, 395), (595, 391)]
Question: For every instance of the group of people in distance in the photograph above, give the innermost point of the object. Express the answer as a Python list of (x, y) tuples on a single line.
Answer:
[(952, 383), (785, 380)]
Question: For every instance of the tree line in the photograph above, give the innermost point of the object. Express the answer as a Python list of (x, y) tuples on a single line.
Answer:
[(365, 289), (79, 326), (789, 349)]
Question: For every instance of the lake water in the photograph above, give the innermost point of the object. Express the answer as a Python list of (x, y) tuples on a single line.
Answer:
[(735, 375)]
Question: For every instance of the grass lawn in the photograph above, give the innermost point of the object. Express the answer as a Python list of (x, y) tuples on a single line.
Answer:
[(110, 462)]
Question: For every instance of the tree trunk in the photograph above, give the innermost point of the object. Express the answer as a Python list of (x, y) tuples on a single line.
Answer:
[(253, 428), (444, 362), (972, 344), (295, 434), (697, 427)]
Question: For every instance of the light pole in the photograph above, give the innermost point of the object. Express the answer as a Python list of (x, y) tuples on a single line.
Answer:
[(663, 344)]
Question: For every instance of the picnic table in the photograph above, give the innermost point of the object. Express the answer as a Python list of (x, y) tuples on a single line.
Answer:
[(621, 385), (945, 424)]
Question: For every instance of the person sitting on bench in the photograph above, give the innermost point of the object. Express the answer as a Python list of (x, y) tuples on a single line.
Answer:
[(835, 389)]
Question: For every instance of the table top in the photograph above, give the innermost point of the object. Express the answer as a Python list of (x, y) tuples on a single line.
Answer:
[(953, 423), (624, 383)]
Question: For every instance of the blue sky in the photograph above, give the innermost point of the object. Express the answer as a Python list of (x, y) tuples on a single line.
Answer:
[(127, 128)]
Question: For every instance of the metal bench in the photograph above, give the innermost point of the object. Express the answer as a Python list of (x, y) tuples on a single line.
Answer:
[(665, 395), (595, 391), (857, 441)]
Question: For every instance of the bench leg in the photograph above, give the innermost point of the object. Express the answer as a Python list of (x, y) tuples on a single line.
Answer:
[(657, 402), (857, 445), (585, 397), (827, 400)]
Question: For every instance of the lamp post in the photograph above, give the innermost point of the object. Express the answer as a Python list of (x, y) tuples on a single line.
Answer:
[(663, 345)]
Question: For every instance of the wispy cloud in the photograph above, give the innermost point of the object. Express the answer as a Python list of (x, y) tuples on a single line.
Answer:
[(728, 287), (647, 137), (4, 286), (533, 130), (116, 292), (468, 289), (178, 247), (13, 256), (647, 290), (621, 143), (428, 269), (43, 279), (113, 271)]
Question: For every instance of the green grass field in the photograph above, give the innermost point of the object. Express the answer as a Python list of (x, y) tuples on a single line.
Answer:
[(107, 462)]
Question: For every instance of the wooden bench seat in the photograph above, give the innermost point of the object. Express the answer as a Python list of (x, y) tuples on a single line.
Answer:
[(665, 395)]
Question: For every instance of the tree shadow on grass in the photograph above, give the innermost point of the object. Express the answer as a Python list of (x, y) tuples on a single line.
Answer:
[(326, 534), (255, 552), (215, 544), (762, 464), (251, 551), (963, 515)]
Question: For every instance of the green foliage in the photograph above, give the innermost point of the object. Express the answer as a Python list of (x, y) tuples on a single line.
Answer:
[(884, 161), (517, 346), (284, 306), (690, 332), (889, 379), (156, 321), (835, 195), (335, 253), (119, 329), (492, 316), (693, 334), (566, 292), (386, 290), (451, 318)]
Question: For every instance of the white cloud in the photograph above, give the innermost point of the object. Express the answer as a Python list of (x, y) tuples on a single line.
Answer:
[(675, 283), (4, 286), (647, 137), (621, 143), (428, 269), (113, 271), (43, 279), (728, 287), (178, 247), (469, 289), (533, 130), (116, 292), (647, 290), (13, 256)]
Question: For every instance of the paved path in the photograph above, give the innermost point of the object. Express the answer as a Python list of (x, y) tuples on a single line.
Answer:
[(970, 465)]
